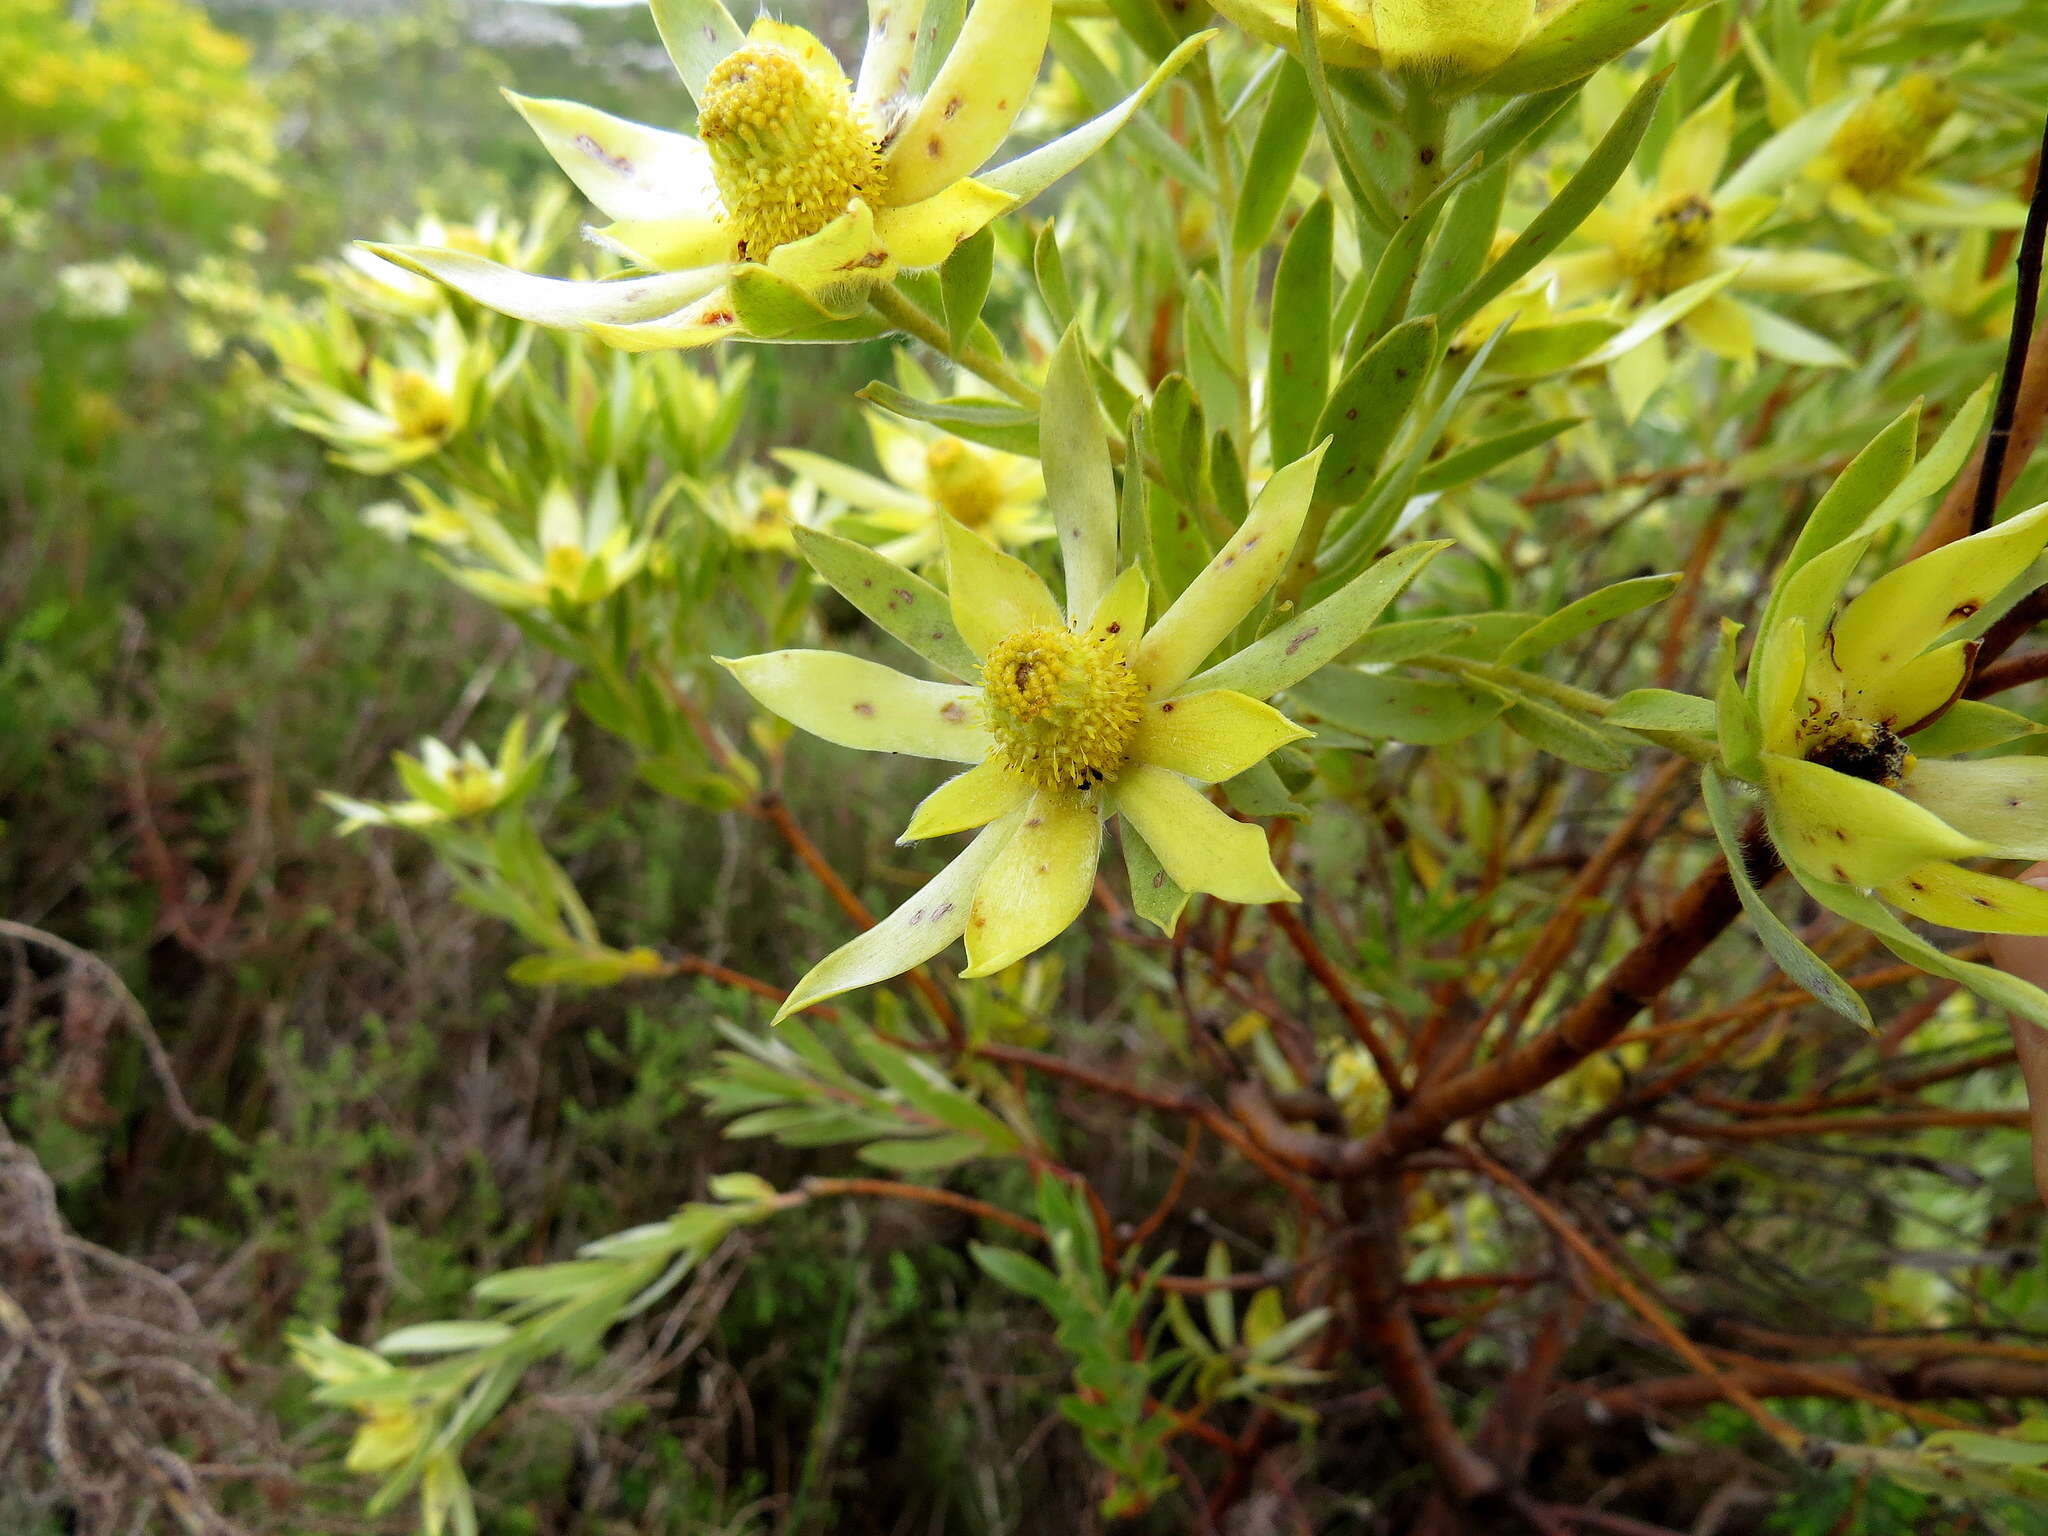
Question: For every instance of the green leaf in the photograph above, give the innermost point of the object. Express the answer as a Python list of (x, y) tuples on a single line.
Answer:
[(1575, 201), (1489, 453), (1858, 491), (1996, 987), (1377, 707), (1659, 709), (1079, 486), (991, 423), (1793, 958), (1024, 1275), (1366, 195), (697, 34), (924, 1155), (1311, 640), (897, 600), (1566, 736), (1970, 725), (1389, 643), (1282, 140), (443, 1338), (1368, 406), (1024, 178), (964, 280), (1180, 437), (1154, 896), (1461, 246), (1050, 269), (1298, 351), (1589, 612), (1741, 733)]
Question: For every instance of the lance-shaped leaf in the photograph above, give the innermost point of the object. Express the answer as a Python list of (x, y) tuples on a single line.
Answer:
[(1298, 350), (898, 601), (1999, 988), (1079, 487), (1309, 641), (913, 933), (697, 34), (1780, 942), (1589, 612), (1367, 408)]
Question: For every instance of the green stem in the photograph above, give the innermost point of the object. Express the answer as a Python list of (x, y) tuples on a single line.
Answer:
[(893, 305), (1534, 683)]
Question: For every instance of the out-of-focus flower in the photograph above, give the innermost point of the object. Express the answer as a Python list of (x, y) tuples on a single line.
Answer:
[(377, 413), (802, 191), (758, 513), (105, 290), (367, 281), (932, 476), (398, 1425), (581, 552), (449, 786), (1683, 232)]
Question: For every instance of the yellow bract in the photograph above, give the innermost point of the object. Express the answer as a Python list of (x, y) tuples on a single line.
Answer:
[(1842, 697), (1066, 721)]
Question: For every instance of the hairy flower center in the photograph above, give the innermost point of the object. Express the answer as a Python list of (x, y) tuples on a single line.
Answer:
[(1884, 140), (1668, 244), (788, 150), (1862, 750), (1061, 707), (962, 481)]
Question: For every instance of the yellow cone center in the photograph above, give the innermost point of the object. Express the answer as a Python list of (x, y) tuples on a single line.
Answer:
[(962, 481), (1062, 707), (1668, 245), (788, 150), (1884, 141)]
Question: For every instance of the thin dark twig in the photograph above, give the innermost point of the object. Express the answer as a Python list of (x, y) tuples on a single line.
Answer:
[(2027, 265)]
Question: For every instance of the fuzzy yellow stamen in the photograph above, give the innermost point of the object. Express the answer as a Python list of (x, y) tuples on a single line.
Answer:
[(1062, 708), (1885, 140), (962, 481), (789, 151), (1667, 245)]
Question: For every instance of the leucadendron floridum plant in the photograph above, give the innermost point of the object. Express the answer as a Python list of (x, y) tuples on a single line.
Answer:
[(1436, 486)]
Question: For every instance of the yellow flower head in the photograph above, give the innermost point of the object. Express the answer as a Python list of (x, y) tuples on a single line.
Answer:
[(1875, 169), (1676, 246), (932, 476), (1859, 724), (378, 413), (1070, 714), (761, 516), (448, 786), (802, 190)]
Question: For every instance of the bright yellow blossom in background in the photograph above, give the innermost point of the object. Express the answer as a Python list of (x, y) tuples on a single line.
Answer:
[(932, 476), (1682, 234), (761, 515), (802, 192)]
